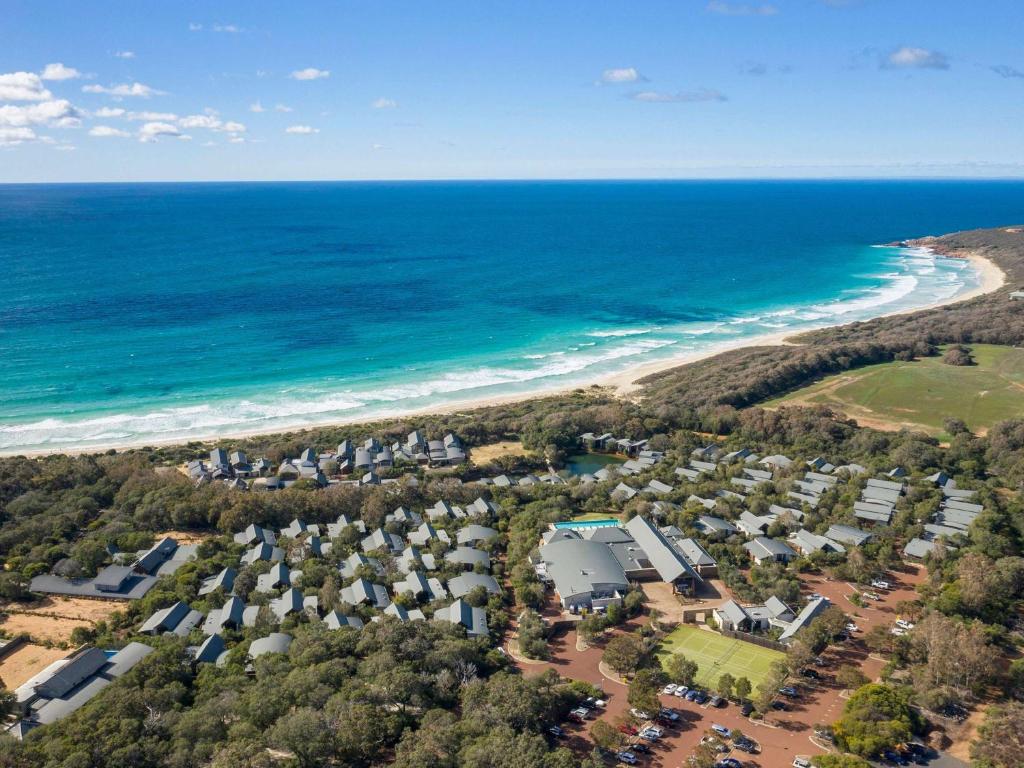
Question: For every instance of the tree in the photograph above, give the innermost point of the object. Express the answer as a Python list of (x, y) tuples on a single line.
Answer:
[(839, 761), (305, 734), (605, 735), (742, 688), (644, 688), (851, 677), (725, 685), (680, 669), (624, 653), (1000, 738), (876, 717), (958, 354), (531, 635), (330, 595)]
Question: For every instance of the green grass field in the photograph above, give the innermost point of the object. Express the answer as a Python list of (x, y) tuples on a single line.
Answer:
[(716, 654), (922, 393)]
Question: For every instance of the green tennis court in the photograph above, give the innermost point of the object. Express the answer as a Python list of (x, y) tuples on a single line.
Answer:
[(715, 654)]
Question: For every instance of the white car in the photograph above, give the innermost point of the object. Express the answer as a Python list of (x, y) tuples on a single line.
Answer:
[(626, 757), (669, 689), (681, 691), (871, 596), (639, 714), (879, 584), (904, 624), (801, 762), (851, 627)]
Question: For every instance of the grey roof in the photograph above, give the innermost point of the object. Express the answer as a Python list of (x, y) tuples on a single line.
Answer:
[(810, 611), (460, 612), (776, 607), (231, 614), (357, 560), (847, 534), (225, 580), (715, 525), (876, 493), (254, 534), (580, 567), (762, 546), (403, 614), (879, 513), (920, 548), (808, 542), (734, 612), (463, 584), (81, 666), (363, 591), (115, 582), (263, 551), (275, 642), (177, 619), (335, 620), (468, 556), (278, 576), (210, 650), (666, 559), (381, 539), (473, 533), (694, 553)]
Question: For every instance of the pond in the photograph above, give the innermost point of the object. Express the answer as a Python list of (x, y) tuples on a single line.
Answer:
[(589, 463)]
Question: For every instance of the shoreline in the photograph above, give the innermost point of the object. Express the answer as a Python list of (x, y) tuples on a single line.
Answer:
[(624, 383)]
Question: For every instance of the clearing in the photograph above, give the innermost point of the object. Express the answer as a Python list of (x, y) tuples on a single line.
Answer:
[(485, 454), (20, 665), (53, 618), (716, 654), (922, 393)]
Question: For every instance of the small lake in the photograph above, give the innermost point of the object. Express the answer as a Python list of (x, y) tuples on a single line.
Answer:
[(589, 463)]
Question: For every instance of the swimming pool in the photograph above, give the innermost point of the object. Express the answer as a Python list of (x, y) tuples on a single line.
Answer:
[(581, 524)]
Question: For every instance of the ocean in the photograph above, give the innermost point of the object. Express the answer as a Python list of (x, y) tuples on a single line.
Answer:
[(145, 313)]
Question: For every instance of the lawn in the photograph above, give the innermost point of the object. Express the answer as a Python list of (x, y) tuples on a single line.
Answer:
[(716, 654), (922, 393)]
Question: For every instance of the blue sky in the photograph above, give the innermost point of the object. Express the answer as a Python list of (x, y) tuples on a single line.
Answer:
[(567, 89)]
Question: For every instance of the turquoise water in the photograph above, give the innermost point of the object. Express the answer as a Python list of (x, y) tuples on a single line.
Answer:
[(156, 312), (609, 523)]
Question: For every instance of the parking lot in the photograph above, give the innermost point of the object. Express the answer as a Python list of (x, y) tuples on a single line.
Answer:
[(784, 734)]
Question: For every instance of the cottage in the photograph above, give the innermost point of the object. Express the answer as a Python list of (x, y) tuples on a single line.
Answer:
[(765, 550)]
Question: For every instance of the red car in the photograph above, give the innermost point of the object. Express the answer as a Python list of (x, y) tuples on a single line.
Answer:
[(628, 729)]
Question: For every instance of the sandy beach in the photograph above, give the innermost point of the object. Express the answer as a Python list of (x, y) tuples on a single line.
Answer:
[(623, 383)]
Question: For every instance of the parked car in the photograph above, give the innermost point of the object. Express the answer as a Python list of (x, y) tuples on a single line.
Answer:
[(639, 714), (811, 673), (668, 714), (790, 691), (728, 762), (851, 628), (904, 624), (721, 730), (579, 714), (780, 705), (642, 748), (745, 744), (626, 757), (701, 697), (879, 584), (746, 709), (801, 762), (629, 730), (555, 731), (651, 734), (716, 701), (691, 694), (872, 595), (895, 757), (669, 689), (681, 691)]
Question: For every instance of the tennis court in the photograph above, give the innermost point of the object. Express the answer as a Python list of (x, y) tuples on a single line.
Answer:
[(716, 654)]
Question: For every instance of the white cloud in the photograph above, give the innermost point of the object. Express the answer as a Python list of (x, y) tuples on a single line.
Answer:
[(23, 86), (383, 103), (915, 58), (105, 131), (621, 75), (194, 26), (65, 147), (124, 89), (741, 9), (301, 129), (377, 147), (151, 116), (59, 72), (124, 54), (10, 137), (58, 113), (109, 112), (211, 122), (150, 132), (229, 28), (678, 97), (283, 108), (257, 107), (236, 140), (309, 73)]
